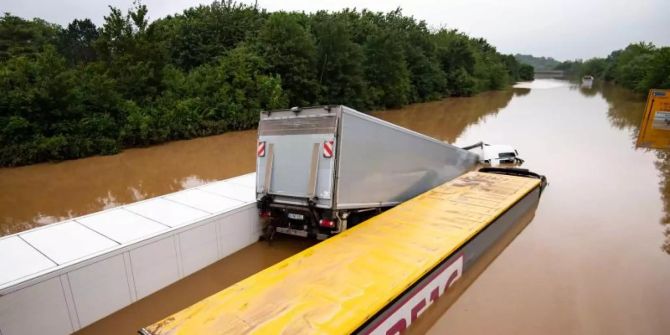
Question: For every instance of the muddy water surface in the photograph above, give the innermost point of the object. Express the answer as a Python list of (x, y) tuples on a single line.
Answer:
[(40, 194), (591, 261)]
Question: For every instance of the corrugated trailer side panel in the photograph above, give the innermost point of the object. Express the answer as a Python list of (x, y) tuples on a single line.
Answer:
[(382, 163)]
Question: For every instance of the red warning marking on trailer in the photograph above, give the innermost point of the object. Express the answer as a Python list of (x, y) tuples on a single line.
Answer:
[(328, 149), (411, 306), (261, 149)]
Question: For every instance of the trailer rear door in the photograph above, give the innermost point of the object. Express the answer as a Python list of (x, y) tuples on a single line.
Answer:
[(296, 156)]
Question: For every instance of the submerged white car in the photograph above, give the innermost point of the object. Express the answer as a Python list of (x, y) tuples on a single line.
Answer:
[(496, 154)]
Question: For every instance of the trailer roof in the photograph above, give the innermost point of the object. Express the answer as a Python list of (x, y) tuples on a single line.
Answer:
[(337, 285), (44, 252)]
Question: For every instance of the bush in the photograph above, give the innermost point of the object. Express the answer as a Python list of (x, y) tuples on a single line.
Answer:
[(640, 67), (526, 72), (85, 90)]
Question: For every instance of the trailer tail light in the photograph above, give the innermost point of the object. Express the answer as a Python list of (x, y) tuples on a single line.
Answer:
[(327, 223), (328, 148), (265, 213), (260, 150)]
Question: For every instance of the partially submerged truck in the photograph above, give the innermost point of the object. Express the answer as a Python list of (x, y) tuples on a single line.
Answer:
[(323, 169)]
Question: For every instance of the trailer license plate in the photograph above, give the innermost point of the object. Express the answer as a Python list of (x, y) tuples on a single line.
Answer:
[(294, 232), (295, 216)]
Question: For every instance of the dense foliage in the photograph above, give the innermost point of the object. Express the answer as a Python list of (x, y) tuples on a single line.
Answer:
[(640, 67), (538, 63), (526, 72), (81, 90)]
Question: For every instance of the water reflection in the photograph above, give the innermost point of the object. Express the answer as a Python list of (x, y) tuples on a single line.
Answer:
[(192, 181), (137, 193), (543, 84), (447, 119), (663, 166), (520, 91), (587, 89), (599, 217), (625, 112), (625, 108)]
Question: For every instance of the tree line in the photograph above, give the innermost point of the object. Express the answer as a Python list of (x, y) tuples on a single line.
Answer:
[(639, 67), (81, 90), (538, 63)]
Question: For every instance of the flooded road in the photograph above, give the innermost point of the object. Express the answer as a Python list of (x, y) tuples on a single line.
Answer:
[(46, 193), (41, 194), (592, 261)]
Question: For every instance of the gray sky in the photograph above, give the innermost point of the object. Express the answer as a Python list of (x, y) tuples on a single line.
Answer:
[(564, 29)]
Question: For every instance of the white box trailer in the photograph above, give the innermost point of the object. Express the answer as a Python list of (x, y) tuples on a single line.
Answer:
[(321, 169)]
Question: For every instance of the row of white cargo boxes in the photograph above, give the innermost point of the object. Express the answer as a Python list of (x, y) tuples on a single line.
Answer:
[(62, 277)]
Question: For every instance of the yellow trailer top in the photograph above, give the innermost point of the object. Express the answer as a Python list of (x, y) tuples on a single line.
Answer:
[(336, 286)]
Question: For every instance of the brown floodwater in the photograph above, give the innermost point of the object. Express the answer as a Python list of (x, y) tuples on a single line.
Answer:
[(46, 193), (591, 261)]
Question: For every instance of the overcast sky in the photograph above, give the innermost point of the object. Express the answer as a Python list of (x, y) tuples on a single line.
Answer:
[(563, 29)]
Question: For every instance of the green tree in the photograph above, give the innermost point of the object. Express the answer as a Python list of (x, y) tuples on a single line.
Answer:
[(94, 113), (201, 34), (339, 61), (538, 63), (526, 72), (594, 67), (631, 64), (631, 73), (428, 81), (658, 72), (386, 71), (513, 66), (290, 51), (76, 42), (85, 90), (52, 112), (457, 59), (19, 37), (490, 71), (640, 67), (235, 90), (132, 53)]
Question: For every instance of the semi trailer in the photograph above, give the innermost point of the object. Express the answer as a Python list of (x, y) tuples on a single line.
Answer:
[(381, 276), (323, 169)]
